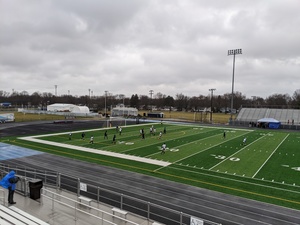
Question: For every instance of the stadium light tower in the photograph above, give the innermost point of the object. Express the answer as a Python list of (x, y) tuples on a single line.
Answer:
[(55, 86), (151, 92), (122, 96), (211, 101), (105, 107), (233, 52)]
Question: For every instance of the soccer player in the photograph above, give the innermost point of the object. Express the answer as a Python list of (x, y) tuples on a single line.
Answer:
[(244, 141), (163, 148), (160, 134), (154, 131), (120, 130), (92, 140), (105, 135), (114, 139), (142, 133), (224, 135)]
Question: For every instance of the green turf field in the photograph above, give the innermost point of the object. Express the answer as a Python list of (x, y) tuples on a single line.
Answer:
[(265, 168)]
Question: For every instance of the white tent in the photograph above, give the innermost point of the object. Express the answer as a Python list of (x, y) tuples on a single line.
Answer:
[(80, 109), (61, 107)]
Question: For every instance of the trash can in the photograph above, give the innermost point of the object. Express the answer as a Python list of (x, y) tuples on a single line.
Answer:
[(35, 186)]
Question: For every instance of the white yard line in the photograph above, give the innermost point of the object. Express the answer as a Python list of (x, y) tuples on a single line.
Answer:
[(100, 152), (236, 153), (270, 156)]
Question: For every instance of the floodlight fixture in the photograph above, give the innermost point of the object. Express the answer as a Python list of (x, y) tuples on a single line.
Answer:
[(235, 51)]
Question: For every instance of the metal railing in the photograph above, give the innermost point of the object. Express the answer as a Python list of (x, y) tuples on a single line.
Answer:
[(2, 196), (148, 210), (76, 206)]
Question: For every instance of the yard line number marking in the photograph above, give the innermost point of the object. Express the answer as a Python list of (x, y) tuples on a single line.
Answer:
[(234, 159)]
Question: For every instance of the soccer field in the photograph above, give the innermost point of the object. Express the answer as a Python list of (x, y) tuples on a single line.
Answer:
[(266, 167)]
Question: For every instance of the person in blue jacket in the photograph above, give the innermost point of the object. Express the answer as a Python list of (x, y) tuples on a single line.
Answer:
[(9, 182)]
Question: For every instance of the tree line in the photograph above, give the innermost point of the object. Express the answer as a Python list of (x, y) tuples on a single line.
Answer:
[(158, 101)]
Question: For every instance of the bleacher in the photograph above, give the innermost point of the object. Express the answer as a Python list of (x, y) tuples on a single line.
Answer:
[(12, 215), (285, 116)]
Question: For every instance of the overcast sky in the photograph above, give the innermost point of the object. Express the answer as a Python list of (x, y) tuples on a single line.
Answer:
[(134, 46)]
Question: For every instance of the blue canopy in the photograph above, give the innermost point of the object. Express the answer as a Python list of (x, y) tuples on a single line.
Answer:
[(272, 123)]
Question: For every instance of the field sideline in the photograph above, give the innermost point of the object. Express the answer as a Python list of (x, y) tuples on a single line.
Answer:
[(266, 168)]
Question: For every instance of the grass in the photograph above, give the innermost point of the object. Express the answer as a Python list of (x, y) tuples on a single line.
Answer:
[(221, 118), (25, 117), (266, 168)]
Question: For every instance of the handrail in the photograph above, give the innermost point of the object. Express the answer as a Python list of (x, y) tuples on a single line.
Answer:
[(54, 199), (3, 195), (93, 190)]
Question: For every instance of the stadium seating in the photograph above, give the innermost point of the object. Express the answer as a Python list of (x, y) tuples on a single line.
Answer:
[(285, 116)]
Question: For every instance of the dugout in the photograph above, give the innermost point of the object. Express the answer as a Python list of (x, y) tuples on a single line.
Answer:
[(268, 123), (156, 115)]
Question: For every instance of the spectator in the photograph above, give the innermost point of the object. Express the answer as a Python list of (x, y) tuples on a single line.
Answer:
[(9, 182)]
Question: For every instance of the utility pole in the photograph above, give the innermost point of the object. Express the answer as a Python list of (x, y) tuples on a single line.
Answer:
[(211, 101), (233, 52), (105, 102)]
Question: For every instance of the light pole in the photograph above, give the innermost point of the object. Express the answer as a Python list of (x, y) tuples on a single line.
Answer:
[(105, 107), (122, 96), (211, 101), (55, 89), (151, 93), (233, 52), (105, 102)]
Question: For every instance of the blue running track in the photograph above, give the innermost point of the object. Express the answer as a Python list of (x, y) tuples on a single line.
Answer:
[(12, 152)]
